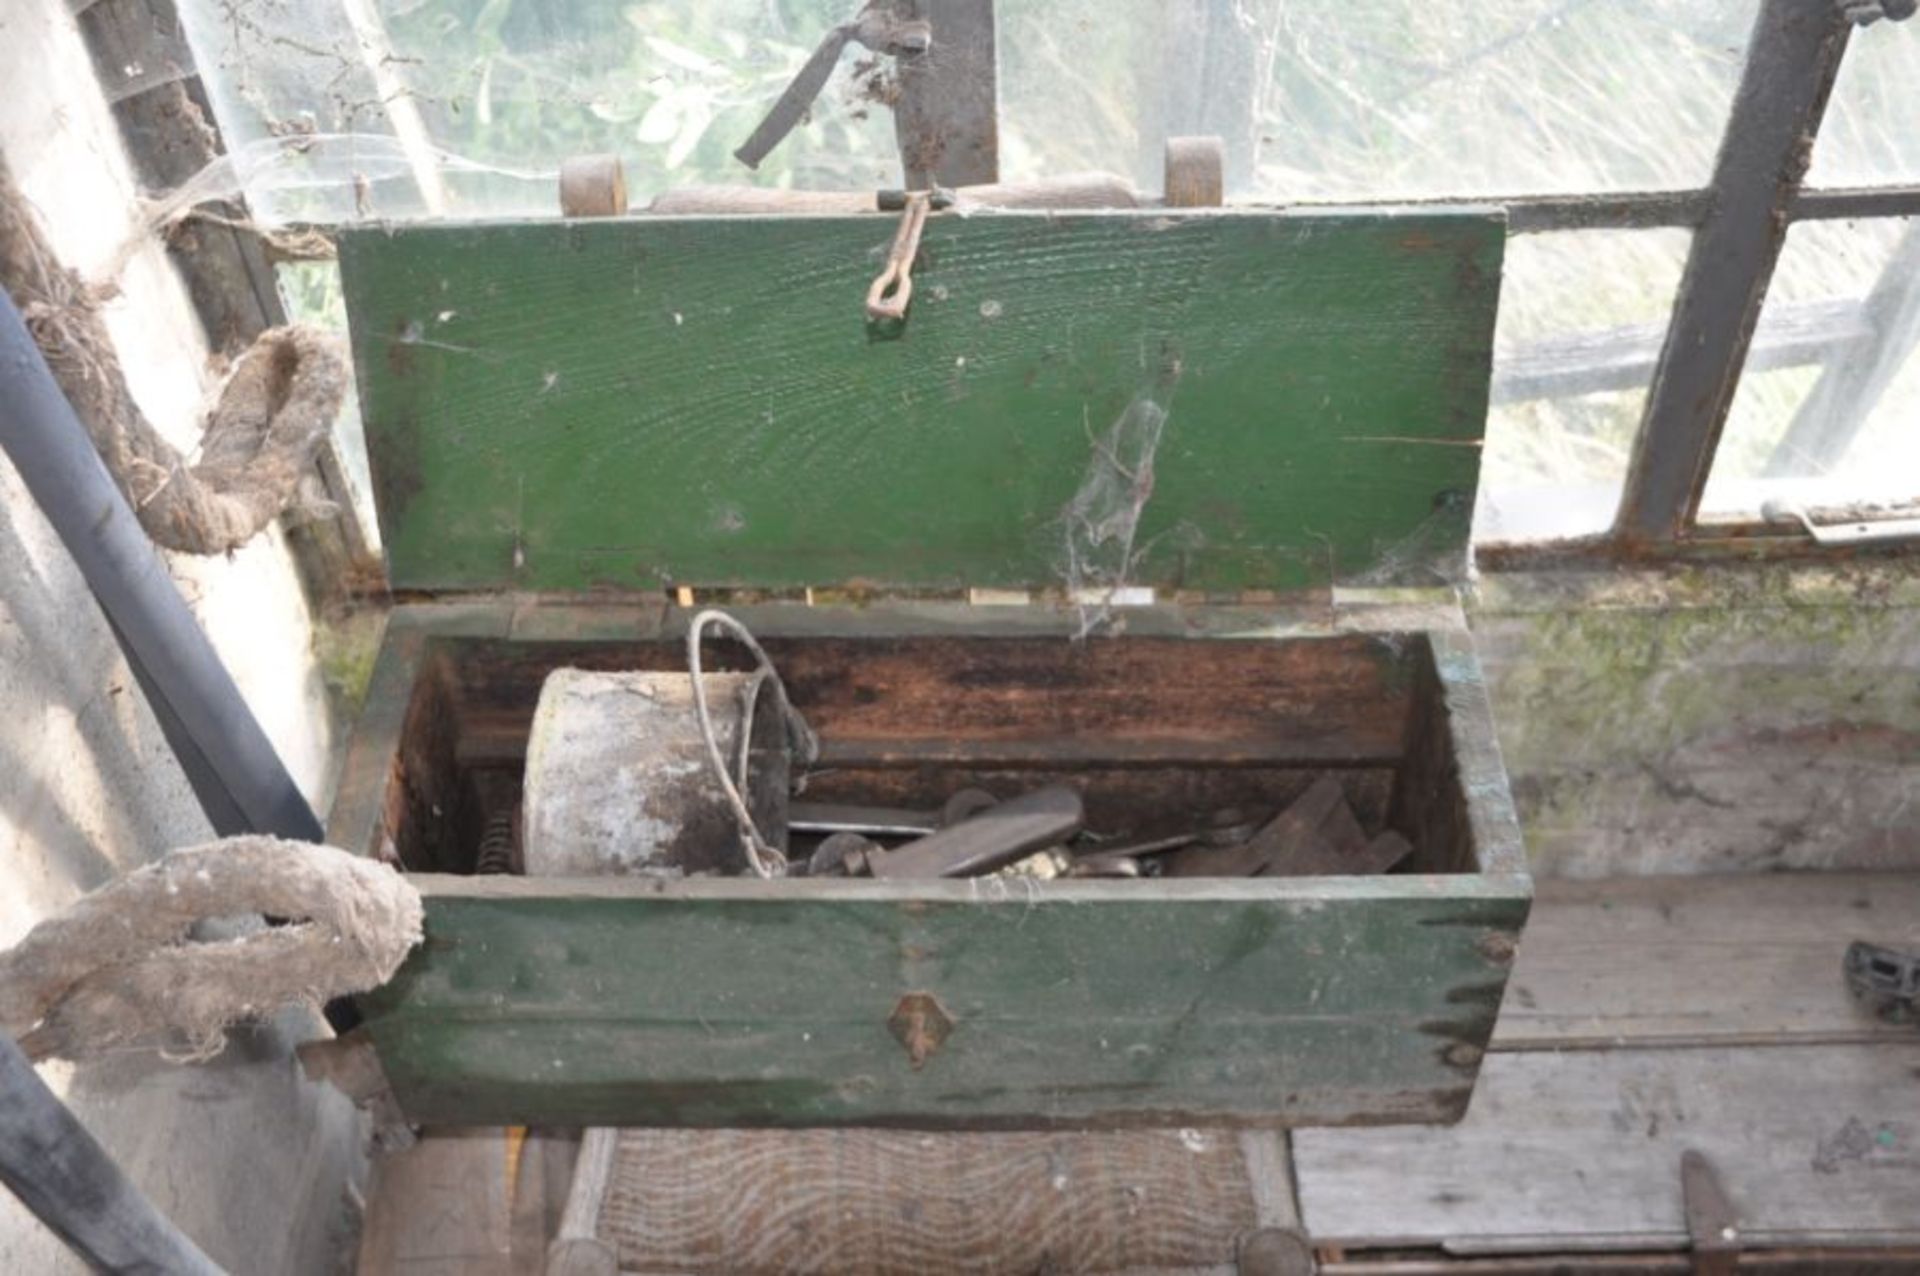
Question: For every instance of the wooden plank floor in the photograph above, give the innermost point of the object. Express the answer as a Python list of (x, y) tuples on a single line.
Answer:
[(1645, 1017), (1581, 1150), (474, 1202), (1701, 960), (897, 1203)]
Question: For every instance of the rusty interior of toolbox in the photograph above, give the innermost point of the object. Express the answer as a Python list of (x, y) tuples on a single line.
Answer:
[(1155, 733)]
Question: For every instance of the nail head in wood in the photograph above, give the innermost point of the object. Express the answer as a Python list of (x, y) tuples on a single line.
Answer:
[(921, 1024)]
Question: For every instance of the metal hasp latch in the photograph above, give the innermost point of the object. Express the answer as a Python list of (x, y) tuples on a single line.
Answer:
[(1713, 1229), (892, 288), (1867, 12)]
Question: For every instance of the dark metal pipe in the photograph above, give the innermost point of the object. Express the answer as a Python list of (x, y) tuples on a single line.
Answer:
[(70, 1183), (1793, 58), (238, 777)]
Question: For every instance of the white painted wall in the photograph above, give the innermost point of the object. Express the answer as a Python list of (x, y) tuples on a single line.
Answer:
[(248, 1158)]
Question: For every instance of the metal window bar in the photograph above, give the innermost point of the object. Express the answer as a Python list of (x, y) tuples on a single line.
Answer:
[(1648, 210), (948, 116), (1792, 62)]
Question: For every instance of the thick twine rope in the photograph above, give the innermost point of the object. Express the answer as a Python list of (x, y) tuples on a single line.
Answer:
[(117, 969)]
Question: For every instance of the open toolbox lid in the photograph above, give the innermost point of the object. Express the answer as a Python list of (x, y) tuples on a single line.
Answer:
[(1220, 400)]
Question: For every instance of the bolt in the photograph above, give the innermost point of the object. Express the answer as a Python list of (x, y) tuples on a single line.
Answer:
[(1497, 946)]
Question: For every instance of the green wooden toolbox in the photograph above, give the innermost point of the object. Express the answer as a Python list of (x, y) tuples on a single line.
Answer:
[(1270, 420)]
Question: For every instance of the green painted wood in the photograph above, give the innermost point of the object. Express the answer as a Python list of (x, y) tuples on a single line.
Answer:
[(741, 1003), (634, 402)]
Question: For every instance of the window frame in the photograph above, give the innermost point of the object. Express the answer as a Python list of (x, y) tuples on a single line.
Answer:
[(1739, 222)]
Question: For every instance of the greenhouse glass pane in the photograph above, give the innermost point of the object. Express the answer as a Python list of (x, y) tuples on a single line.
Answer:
[(398, 108), (310, 290), (1839, 429), (1406, 97), (1582, 318), (1868, 137), (356, 108)]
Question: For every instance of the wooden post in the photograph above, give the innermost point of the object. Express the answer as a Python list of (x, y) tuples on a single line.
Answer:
[(578, 1249)]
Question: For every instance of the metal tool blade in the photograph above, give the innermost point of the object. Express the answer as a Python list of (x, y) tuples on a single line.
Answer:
[(992, 839)]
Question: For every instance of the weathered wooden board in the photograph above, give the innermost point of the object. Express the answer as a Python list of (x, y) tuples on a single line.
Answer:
[(1646, 1016), (1751, 958), (466, 1202), (442, 1207), (1581, 1149), (892, 1203), (1013, 701), (732, 1002), (637, 402)]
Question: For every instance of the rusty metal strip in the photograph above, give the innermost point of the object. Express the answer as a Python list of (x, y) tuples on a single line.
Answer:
[(1535, 214), (877, 27), (948, 115)]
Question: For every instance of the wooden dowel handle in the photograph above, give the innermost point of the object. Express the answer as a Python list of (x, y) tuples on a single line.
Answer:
[(1072, 190), (593, 186), (1196, 172)]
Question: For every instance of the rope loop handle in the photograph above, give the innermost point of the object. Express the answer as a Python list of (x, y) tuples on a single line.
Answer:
[(117, 969), (764, 858)]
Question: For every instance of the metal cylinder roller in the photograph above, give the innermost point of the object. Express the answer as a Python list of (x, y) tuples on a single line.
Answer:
[(618, 777)]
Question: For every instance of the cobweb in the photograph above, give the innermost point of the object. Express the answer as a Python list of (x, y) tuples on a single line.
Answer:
[(1433, 553), (1100, 525)]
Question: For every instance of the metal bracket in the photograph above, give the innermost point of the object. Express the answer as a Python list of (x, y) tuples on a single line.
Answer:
[(1865, 532), (1867, 12), (1886, 979)]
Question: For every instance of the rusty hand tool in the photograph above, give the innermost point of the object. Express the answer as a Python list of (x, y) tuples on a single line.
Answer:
[(992, 839)]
